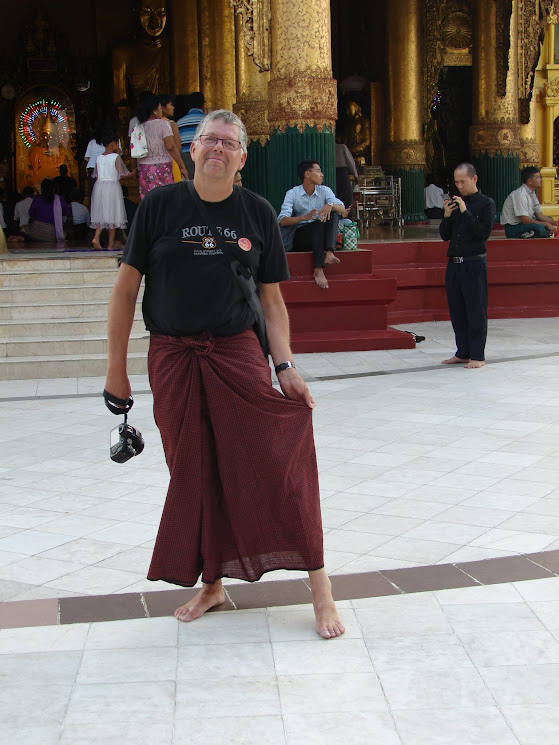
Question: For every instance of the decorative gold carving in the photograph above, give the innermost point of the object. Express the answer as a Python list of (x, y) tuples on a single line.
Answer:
[(552, 88), (257, 22), (494, 139), (301, 39), (529, 154), (447, 37), (254, 114), (297, 102), (406, 155), (532, 18), (502, 28), (457, 33)]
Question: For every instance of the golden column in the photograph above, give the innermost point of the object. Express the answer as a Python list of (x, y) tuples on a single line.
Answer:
[(404, 148), (216, 53), (495, 132), (529, 146), (184, 37), (302, 100), (252, 106)]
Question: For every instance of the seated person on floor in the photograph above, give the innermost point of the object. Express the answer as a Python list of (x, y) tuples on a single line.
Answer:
[(434, 200), (80, 216), (309, 218), (21, 211), (522, 215)]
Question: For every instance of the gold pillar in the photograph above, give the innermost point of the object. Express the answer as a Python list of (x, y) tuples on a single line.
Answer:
[(252, 89), (377, 118), (184, 37), (529, 147), (404, 146), (551, 98), (301, 89), (216, 53), (495, 129)]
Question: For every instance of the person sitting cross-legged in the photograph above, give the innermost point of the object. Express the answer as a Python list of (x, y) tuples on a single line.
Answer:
[(309, 219), (522, 214)]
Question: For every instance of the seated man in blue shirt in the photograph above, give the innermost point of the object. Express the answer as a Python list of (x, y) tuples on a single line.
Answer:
[(307, 210)]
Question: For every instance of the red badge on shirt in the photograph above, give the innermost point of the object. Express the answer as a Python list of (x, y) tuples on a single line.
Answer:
[(245, 244)]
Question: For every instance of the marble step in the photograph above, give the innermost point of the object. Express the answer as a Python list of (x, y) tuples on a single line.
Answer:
[(62, 345), (65, 366), (26, 263), (52, 311), (56, 278), (49, 294), (60, 327)]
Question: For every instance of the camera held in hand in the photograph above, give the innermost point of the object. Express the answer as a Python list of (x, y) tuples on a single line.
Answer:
[(126, 441)]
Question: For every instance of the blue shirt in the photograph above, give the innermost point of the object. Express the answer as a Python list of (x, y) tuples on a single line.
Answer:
[(187, 126), (297, 202)]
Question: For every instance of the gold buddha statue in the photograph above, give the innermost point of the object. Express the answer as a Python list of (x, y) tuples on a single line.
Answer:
[(142, 63), (357, 132), (46, 155)]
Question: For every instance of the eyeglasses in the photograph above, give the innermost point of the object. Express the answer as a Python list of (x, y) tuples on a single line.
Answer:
[(211, 141)]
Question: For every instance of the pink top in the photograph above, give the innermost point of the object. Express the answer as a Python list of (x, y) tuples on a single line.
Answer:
[(156, 130)]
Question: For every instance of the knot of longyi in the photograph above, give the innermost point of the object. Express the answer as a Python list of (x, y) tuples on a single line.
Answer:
[(201, 344)]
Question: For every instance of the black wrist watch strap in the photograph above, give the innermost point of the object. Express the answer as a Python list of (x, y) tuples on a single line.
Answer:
[(283, 366), (116, 405)]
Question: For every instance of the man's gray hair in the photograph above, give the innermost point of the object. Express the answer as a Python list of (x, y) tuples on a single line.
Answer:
[(468, 167), (228, 117)]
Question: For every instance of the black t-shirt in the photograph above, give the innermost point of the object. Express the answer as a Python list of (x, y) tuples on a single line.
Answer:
[(190, 287)]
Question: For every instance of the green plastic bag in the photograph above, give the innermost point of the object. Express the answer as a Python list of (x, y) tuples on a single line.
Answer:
[(350, 236)]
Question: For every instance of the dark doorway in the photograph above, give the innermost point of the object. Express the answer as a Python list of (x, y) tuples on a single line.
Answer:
[(447, 134)]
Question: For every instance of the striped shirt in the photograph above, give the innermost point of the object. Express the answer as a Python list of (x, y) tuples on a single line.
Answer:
[(187, 126)]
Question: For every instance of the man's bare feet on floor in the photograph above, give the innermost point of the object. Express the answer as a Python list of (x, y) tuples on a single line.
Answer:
[(328, 623), (454, 361), (473, 364), (208, 597), (320, 278), (330, 258)]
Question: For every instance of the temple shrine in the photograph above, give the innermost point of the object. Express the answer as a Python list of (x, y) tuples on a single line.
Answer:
[(412, 87)]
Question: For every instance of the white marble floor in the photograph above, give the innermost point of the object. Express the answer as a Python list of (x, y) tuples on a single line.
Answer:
[(474, 666), (420, 467)]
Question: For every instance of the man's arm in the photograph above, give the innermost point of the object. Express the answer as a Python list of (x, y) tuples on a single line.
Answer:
[(479, 227), (544, 219), (122, 306), (277, 327)]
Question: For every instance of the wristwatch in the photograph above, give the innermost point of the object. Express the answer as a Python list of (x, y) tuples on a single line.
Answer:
[(283, 366)]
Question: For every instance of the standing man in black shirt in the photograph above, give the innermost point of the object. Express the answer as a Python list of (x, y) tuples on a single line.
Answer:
[(243, 496), (467, 223)]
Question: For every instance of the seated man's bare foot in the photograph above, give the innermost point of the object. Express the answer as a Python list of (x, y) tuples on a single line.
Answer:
[(454, 360), (208, 597), (330, 258), (96, 244), (15, 239), (328, 623), (473, 364), (320, 279)]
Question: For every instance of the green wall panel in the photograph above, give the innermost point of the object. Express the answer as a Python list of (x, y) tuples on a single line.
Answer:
[(413, 196), (498, 175), (255, 172)]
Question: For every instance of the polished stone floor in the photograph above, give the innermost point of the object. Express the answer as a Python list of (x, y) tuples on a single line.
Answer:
[(420, 465)]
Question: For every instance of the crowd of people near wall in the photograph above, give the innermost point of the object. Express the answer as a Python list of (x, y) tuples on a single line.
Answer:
[(56, 211)]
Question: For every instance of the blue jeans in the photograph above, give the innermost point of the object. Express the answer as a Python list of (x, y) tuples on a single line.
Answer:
[(515, 231)]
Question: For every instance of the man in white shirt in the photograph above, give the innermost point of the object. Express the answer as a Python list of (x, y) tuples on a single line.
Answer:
[(306, 212), (522, 215), (434, 200), (21, 211)]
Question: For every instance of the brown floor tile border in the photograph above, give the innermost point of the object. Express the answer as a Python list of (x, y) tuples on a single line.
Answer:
[(88, 609)]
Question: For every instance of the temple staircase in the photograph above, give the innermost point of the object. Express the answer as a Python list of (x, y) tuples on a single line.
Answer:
[(53, 317)]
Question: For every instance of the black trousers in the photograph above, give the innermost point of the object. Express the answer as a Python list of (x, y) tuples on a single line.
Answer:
[(466, 292), (317, 237)]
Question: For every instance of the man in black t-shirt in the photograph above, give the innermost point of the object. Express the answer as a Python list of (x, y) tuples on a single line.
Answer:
[(243, 496)]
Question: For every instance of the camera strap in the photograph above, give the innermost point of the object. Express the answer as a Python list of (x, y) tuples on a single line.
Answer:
[(116, 405)]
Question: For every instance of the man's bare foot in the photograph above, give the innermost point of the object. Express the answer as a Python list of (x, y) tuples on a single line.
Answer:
[(330, 258), (473, 364), (328, 623), (96, 244), (454, 360), (208, 597), (320, 278)]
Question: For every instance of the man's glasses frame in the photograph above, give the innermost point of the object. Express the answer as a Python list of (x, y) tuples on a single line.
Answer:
[(211, 141)]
